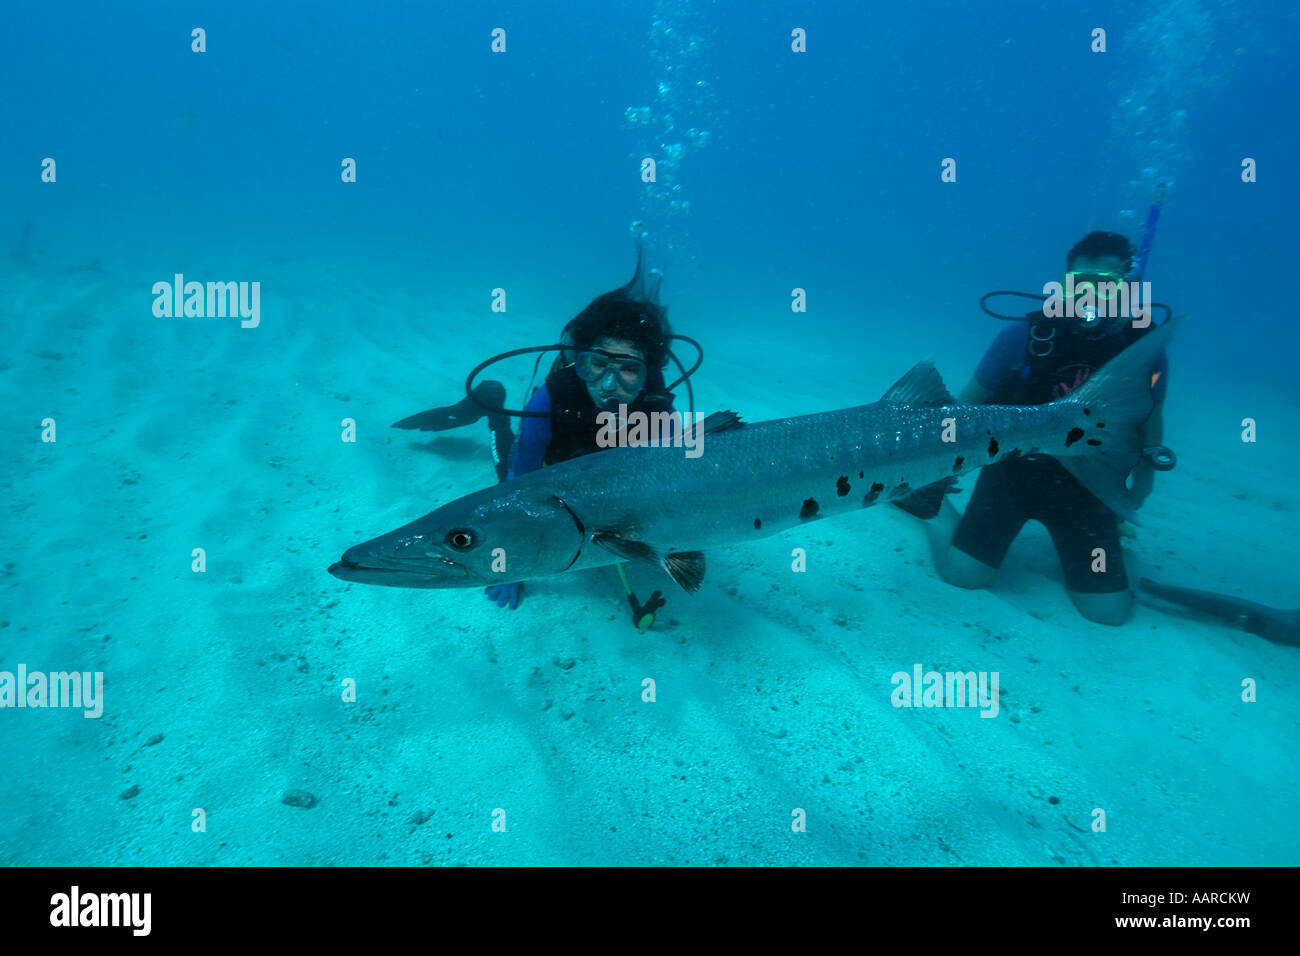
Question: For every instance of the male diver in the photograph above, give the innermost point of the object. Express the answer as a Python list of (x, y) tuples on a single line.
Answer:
[(613, 353), (1036, 360)]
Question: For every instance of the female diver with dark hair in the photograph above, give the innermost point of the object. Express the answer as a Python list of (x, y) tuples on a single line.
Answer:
[(612, 353)]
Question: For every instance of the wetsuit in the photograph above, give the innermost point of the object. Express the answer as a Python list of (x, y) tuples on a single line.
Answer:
[(1030, 364)]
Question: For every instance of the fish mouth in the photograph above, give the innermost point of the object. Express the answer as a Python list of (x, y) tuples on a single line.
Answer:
[(435, 572)]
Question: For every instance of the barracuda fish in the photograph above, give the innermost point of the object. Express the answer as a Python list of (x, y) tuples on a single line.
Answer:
[(654, 504)]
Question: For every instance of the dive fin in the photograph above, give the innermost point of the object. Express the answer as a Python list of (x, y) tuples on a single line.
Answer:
[(1272, 624), (1223, 606), (1117, 397), (435, 420), (486, 397), (686, 568), (922, 385)]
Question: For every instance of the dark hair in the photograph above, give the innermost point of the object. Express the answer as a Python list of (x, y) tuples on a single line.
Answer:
[(617, 316), (1095, 245)]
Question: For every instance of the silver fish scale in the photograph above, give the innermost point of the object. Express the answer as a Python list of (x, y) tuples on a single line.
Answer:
[(774, 475)]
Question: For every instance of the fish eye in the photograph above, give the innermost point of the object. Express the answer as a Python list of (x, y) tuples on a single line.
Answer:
[(462, 539)]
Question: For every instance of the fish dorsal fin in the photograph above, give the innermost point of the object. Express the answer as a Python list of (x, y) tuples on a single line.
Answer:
[(922, 385), (721, 422), (686, 568)]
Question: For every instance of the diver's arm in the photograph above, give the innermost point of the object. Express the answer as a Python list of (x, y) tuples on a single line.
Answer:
[(534, 436), (1001, 361), (929, 501), (1144, 476), (528, 454), (1153, 429), (1152, 433), (926, 502)]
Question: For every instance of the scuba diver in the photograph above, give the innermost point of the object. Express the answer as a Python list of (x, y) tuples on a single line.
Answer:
[(613, 353), (1038, 359)]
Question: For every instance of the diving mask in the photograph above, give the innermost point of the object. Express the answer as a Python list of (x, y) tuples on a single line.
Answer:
[(594, 364)]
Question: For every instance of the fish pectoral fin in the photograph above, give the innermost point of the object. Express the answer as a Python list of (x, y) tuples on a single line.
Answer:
[(627, 548), (686, 568), (922, 385)]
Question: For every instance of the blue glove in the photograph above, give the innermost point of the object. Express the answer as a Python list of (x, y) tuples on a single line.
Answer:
[(506, 595)]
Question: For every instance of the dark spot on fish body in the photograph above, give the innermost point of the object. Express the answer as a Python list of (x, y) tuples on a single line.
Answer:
[(1073, 436), (1093, 442), (957, 463), (809, 509), (842, 486), (1101, 424), (993, 447), (1087, 411), (870, 497), (860, 474), (758, 523)]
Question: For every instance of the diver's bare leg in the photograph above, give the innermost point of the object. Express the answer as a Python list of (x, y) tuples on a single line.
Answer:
[(952, 564)]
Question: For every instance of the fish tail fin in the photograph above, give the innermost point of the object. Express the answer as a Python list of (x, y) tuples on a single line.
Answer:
[(1107, 412)]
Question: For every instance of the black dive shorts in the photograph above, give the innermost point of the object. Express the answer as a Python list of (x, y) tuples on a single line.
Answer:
[(1037, 488)]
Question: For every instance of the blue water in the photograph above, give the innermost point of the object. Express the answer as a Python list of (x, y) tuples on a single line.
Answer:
[(521, 170)]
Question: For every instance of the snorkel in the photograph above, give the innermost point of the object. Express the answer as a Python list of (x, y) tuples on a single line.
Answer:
[(1148, 235)]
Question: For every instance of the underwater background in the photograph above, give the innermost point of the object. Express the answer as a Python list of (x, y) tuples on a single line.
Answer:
[(521, 170)]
